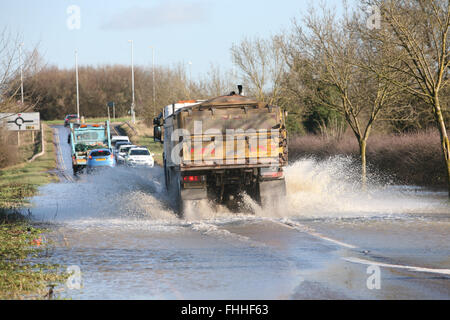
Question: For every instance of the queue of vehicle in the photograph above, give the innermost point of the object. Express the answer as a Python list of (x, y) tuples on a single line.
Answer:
[(93, 147)]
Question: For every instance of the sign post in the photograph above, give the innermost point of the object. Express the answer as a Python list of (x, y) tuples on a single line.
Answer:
[(111, 104)]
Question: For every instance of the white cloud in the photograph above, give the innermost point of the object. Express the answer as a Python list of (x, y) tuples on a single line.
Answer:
[(166, 13)]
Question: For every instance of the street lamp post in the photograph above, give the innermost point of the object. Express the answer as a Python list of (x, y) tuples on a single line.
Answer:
[(190, 71), (21, 69), (190, 77), (133, 118), (76, 77), (153, 79)]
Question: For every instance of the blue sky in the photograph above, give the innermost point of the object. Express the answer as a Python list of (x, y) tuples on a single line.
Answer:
[(199, 31)]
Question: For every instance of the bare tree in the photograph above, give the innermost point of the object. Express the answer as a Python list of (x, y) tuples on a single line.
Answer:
[(10, 65), (419, 29), (334, 63), (217, 82), (261, 63)]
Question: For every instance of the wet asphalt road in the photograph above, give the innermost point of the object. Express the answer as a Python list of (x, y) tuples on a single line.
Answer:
[(329, 241)]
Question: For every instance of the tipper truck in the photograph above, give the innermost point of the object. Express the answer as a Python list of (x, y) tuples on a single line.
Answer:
[(221, 148), (86, 137)]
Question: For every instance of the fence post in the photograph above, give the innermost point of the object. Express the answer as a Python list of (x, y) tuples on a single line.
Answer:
[(42, 144)]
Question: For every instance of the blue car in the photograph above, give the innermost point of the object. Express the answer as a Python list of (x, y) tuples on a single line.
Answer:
[(100, 158)]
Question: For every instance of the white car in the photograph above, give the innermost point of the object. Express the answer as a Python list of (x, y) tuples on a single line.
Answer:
[(115, 139), (119, 144), (122, 152), (139, 156)]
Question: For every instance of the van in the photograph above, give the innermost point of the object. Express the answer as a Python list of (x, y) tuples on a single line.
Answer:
[(115, 139)]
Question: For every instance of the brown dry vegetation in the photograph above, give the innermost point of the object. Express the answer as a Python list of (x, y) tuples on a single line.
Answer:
[(8, 151), (413, 158)]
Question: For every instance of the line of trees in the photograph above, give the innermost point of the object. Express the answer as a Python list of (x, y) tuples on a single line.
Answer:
[(386, 70), (52, 91)]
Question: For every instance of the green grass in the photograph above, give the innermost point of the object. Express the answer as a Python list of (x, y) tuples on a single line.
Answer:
[(90, 120), (21, 275), (53, 122), (27, 176)]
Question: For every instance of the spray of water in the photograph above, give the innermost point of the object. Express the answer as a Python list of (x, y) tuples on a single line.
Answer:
[(332, 188), (315, 188)]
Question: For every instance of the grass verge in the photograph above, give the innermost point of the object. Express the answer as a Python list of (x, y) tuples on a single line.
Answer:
[(24, 274), (21, 180)]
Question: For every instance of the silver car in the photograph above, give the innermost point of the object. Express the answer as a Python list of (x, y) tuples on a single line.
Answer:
[(122, 152)]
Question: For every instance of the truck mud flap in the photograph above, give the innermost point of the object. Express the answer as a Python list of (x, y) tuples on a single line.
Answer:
[(272, 192), (193, 194)]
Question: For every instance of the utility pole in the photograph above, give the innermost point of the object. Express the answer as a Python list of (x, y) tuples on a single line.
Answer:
[(112, 104), (21, 70), (78, 93), (190, 72), (153, 79), (133, 118), (190, 77)]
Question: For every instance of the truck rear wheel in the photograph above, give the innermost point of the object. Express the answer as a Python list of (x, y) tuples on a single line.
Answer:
[(166, 176), (173, 184), (272, 193)]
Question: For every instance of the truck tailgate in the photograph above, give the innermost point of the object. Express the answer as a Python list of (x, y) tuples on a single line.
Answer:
[(245, 148)]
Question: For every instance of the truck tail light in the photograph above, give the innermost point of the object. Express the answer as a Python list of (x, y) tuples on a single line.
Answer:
[(271, 173), (278, 174), (193, 178)]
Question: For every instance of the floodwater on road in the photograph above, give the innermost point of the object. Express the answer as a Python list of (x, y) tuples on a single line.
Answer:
[(323, 242)]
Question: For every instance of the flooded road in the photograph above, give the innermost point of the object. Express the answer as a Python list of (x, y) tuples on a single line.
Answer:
[(330, 240)]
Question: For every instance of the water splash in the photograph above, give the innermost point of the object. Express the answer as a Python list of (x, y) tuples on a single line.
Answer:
[(332, 188), (315, 188)]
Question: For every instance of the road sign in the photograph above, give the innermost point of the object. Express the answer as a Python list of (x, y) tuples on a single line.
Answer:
[(20, 121)]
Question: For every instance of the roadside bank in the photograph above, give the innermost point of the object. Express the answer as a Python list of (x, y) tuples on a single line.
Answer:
[(24, 273)]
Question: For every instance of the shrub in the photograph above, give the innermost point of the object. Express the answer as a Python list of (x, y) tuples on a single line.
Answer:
[(8, 150)]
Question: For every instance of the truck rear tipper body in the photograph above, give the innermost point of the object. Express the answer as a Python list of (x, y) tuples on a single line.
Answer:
[(86, 137), (222, 148)]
